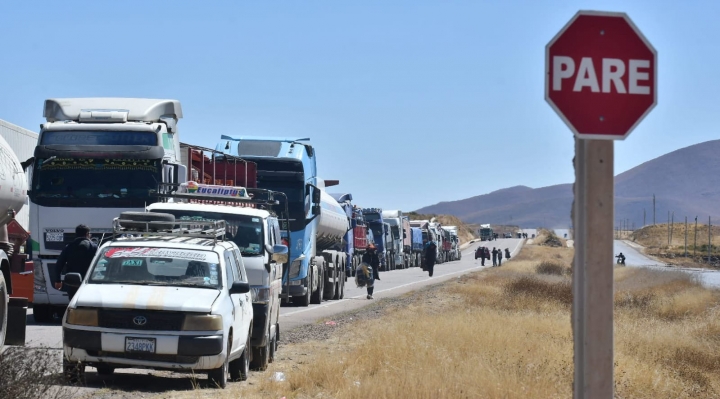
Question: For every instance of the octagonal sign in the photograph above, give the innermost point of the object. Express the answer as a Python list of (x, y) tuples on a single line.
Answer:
[(601, 75)]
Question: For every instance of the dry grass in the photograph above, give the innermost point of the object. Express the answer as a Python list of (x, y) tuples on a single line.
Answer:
[(505, 333), (655, 241)]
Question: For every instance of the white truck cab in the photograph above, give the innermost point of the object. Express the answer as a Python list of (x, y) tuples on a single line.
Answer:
[(160, 296)]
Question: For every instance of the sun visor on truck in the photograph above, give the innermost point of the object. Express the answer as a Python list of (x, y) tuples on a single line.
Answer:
[(99, 151)]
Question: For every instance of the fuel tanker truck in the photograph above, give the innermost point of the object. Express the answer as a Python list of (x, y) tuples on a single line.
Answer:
[(13, 195), (317, 221)]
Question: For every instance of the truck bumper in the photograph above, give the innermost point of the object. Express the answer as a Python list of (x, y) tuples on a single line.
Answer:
[(295, 289)]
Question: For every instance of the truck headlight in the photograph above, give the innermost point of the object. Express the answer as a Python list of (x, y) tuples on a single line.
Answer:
[(295, 268), (260, 294), (83, 317), (208, 322)]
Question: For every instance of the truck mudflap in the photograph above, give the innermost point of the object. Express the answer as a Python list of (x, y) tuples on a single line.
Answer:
[(17, 321), (260, 317)]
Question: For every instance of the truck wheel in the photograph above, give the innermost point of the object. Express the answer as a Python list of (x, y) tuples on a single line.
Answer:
[(240, 368), (330, 284), (261, 356), (339, 294), (305, 299), (219, 376), (271, 351), (4, 298), (317, 296), (42, 313)]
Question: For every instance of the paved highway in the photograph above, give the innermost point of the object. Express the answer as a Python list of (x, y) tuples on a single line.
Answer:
[(393, 283), (633, 257)]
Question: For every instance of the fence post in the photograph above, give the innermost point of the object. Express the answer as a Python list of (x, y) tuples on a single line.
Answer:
[(709, 238), (686, 236), (695, 242)]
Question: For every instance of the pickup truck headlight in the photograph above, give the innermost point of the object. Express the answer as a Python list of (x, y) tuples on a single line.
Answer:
[(295, 268), (83, 317), (260, 294), (202, 323)]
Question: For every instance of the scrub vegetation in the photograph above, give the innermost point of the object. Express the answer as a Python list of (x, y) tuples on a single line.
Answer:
[(32, 373), (505, 333), (655, 241)]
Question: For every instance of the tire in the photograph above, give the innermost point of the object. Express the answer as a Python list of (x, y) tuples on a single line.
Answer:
[(219, 376), (331, 284), (42, 314), (339, 292), (146, 217), (4, 298), (317, 296), (305, 299), (272, 347), (261, 356), (105, 370), (240, 368), (74, 372)]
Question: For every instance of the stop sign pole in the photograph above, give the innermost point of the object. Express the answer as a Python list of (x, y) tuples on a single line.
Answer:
[(601, 79)]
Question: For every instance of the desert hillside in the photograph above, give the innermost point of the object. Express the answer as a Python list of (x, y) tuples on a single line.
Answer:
[(685, 181)]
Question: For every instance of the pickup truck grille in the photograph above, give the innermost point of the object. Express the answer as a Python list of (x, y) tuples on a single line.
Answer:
[(133, 320)]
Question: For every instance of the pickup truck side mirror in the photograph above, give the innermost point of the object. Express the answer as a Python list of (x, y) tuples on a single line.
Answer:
[(73, 280), (240, 287)]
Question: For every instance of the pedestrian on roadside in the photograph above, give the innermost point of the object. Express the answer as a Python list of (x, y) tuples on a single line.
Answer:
[(371, 258), (507, 253), (494, 256), (482, 256), (500, 256), (430, 257), (75, 258)]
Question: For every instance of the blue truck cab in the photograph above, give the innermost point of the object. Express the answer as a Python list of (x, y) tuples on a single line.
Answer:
[(317, 222), (380, 229)]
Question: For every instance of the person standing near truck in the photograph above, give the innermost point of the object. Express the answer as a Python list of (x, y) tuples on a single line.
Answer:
[(75, 258), (494, 256), (430, 257), (500, 256), (371, 258)]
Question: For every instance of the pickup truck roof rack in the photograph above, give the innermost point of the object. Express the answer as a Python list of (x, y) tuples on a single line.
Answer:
[(264, 199), (133, 228)]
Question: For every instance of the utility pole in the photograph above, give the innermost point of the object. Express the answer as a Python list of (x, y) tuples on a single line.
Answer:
[(653, 209), (668, 228), (695, 242), (709, 239), (686, 236), (672, 227), (644, 222)]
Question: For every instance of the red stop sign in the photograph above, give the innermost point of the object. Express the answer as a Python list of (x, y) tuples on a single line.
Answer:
[(601, 75)]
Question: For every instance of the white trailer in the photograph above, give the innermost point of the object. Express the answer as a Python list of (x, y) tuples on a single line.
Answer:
[(22, 141), (395, 219)]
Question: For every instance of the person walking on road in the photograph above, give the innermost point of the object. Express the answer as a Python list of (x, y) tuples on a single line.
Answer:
[(507, 253), (75, 258), (371, 258), (494, 256), (482, 256), (430, 256), (500, 256)]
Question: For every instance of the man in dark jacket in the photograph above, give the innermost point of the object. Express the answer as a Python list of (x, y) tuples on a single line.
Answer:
[(500, 256), (430, 257), (371, 258), (75, 258), (494, 255)]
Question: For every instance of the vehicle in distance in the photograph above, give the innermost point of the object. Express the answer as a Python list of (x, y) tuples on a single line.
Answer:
[(175, 299), (507, 235)]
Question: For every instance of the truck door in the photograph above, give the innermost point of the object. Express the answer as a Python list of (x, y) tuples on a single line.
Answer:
[(239, 302)]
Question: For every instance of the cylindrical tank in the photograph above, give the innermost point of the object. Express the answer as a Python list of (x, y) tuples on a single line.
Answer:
[(332, 223), (13, 183)]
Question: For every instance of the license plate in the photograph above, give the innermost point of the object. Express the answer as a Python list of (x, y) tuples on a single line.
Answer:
[(54, 237), (146, 345)]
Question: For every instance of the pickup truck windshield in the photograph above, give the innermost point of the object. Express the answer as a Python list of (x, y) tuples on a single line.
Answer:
[(157, 266), (244, 230)]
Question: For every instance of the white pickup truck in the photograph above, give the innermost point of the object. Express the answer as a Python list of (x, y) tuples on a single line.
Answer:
[(162, 294)]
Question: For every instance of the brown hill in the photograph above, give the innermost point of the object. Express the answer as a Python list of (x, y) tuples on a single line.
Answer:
[(685, 181)]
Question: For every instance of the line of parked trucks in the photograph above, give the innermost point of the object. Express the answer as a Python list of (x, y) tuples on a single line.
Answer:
[(97, 158)]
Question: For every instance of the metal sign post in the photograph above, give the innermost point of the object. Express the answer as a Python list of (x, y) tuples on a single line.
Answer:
[(600, 78)]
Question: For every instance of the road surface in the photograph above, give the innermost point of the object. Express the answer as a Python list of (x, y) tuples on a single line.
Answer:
[(633, 257), (393, 283)]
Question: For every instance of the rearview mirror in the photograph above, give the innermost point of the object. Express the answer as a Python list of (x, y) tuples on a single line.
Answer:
[(280, 253), (73, 280), (316, 210), (240, 287)]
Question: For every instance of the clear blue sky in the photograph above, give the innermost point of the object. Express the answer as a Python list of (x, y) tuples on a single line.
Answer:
[(407, 102)]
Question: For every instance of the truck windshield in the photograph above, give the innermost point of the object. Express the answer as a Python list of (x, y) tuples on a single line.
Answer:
[(244, 230), (372, 216), (157, 266), (298, 205), (103, 137), (94, 182), (395, 232), (377, 230)]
